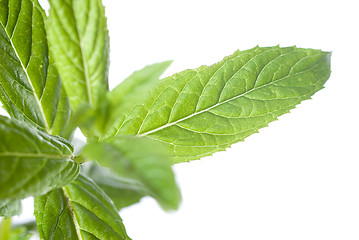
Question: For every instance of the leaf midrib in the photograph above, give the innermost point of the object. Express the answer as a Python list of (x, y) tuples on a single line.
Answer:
[(84, 62), (226, 101), (72, 213), (35, 155)]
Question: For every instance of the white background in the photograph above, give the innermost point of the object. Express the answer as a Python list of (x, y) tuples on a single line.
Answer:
[(296, 179)]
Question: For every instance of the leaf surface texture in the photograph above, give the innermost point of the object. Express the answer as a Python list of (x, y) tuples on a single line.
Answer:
[(78, 37), (30, 87), (78, 211), (201, 111), (32, 162)]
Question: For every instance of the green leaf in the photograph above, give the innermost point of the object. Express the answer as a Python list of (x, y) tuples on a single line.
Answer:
[(141, 160), (9, 208), (201, 111), (78, 37), (32, 162), (30, 87), (123, 192), (80, 210)]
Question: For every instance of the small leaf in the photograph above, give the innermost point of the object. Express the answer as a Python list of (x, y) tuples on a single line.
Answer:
[(30, 87), (138, 83), (144, 161), (201, 111), (123, 192), (32, 162), (78, 37), (81, 210), (9, 208)]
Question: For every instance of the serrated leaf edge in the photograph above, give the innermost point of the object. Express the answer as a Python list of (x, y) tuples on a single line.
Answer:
[(219, 103)]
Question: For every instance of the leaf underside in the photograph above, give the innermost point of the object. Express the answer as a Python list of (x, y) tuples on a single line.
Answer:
[(143, 161), (122, 192), (30, 87), (9, 208), (32, 162), (201, 111), (80, 210)]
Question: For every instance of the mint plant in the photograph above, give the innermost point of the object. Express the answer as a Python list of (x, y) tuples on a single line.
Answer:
[(54, 79)]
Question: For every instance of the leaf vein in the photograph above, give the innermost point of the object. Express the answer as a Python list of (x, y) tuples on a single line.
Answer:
[(218, 104)]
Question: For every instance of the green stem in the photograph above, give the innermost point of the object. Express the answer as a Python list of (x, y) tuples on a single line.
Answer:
[(5, 228)]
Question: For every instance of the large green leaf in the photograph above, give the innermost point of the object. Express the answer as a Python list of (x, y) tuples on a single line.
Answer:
[(9, 208), (143, 161), (32, 162), (79, 40), (79, 211), (123, 192), (201, 111), (30, 87)]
